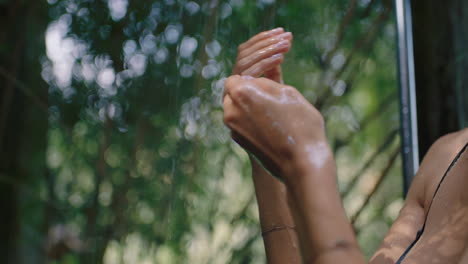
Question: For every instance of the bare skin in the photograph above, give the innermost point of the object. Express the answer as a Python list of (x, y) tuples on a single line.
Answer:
[(280, 240), (286, 133), (256, 110), (446, 234)]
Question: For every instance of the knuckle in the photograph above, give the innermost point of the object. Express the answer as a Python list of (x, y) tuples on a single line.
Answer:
[(240, 92), (230, 82), (228, 119), (319, 119), (231, 118), (243, 93), (229, 85), (290, 91)]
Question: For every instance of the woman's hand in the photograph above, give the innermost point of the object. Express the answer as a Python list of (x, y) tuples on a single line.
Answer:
[(263, 54), (275, 123)]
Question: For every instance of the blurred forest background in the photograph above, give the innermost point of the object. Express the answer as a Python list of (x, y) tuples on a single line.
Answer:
[(112, 144)]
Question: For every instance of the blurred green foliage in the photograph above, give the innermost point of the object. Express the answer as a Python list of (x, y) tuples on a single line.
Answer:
[(141, 168)]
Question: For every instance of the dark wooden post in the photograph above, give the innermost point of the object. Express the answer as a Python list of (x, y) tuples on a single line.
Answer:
[(441, 67)]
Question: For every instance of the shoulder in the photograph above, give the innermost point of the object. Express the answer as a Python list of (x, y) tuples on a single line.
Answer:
[(435, 163), (453, 142)]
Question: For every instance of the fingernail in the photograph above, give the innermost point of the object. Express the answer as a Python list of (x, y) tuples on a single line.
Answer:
[(276, 30), (284, 35), (247, 77), (282, 44), (277, 56)]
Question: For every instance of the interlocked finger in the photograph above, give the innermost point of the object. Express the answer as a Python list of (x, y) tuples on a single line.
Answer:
[(263, 66), (260, 36), (246, 62), (264, 43)]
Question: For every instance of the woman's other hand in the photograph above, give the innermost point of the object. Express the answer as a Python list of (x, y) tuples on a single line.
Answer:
[(263, 54)]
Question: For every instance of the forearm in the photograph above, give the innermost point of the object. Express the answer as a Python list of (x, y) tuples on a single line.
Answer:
[(278, 125), (277, 225), (325, 234)]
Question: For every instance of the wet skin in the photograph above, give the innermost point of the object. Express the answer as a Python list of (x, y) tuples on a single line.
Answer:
[(263, 115), (245, 100), (286, 133), (281, 246)]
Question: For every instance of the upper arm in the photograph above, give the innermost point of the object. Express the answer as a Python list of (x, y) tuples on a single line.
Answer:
[(401, 234)]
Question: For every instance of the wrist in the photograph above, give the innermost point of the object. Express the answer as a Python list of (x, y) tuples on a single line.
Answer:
[(312, 160)]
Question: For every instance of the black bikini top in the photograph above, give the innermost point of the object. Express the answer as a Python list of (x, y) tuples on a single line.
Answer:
[(420, 232)]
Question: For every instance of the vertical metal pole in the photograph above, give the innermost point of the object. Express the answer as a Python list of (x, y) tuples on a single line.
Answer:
[(408, 114)]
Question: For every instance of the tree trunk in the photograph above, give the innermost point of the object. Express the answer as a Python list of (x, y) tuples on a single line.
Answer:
[(23, 124)]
